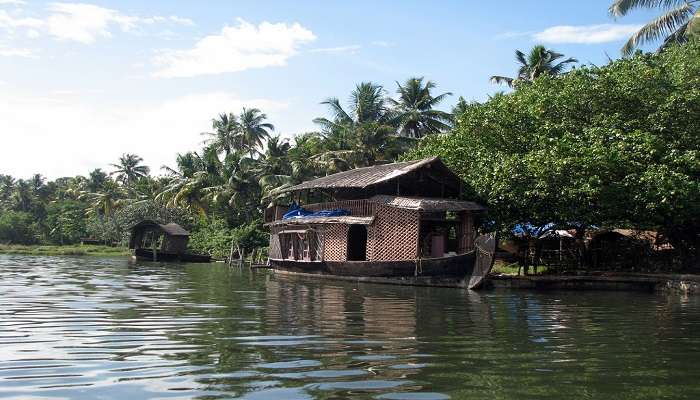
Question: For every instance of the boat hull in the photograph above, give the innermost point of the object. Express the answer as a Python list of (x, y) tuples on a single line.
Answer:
[(458, 266), (147, 255)]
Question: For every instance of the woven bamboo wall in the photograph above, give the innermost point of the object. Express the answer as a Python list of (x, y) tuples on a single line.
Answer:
[(466, 233), (394, 235), (335, 247)]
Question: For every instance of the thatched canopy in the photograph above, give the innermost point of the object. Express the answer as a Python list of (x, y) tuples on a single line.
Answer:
[(344, 219), (427, 204), (172, 231), (427, 177)]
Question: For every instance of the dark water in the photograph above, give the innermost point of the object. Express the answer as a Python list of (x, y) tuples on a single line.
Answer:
[(100, 328)]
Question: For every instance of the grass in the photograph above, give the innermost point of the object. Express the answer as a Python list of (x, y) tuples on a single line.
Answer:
[(504, 268), (68, 250)]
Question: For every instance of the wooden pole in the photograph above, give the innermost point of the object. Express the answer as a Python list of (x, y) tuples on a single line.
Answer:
[(230, 253), (154, 242)]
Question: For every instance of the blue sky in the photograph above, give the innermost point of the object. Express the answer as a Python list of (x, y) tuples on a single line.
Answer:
[(82, 83)]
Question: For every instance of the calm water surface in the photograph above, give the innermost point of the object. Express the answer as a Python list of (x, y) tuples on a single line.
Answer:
[(87, 328)]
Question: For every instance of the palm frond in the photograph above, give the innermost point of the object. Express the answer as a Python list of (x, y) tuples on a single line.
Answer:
[(620, 8), (661, 27), (499, 80)]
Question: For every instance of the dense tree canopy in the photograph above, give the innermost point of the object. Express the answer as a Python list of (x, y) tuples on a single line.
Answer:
[(612, 146)]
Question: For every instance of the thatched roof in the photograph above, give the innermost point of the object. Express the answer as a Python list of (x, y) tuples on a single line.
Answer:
[(427, 204), (171, 229), (344, 219), (361, 178)]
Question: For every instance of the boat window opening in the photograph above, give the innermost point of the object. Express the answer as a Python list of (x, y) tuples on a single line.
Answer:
[(299, 245), (357, 243), (438, 238)]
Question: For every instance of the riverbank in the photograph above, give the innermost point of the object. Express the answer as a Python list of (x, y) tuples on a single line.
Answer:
[(69, 250), (680, 283)]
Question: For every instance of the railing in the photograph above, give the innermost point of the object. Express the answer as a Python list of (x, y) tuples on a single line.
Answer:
[(357, 208)]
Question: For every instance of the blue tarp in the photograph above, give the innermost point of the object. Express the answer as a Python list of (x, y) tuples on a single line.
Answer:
[(298, 212)]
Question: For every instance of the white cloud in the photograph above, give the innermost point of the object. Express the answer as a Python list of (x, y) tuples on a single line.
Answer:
[(12, 2), (236, 48), (586, 34), (352, 49), (76, 135), (12, 52), (10, 23), (81, 22)]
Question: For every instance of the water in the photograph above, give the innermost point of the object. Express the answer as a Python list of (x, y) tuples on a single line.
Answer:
[(85, 328)]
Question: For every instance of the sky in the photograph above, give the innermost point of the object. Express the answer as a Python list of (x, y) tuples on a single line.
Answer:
[(83, 83)]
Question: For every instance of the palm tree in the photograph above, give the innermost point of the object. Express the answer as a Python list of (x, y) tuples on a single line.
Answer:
[(415, 113), (346, 133), (367, 104), (540, 61), (226, 129), (680, 20), (128, 169), (253, 129), (96, 180), (274, 169), (104, 202)]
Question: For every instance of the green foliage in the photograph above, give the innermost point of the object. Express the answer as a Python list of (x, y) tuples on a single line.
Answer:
[(65, 221), (610, 146), (213, 236), (17, 227)]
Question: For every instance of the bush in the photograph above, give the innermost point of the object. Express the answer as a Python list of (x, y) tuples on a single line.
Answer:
[(17, 227)]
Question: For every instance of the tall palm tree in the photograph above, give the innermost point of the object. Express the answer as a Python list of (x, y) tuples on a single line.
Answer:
[(108, 199), (367, 104), (128, 170), (253, 129), (345, 133), (539, 61), (226, 130), (679, 21), (96, 180), (415, 113)]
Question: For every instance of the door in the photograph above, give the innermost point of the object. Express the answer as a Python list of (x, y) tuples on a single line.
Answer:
[(357, 243)]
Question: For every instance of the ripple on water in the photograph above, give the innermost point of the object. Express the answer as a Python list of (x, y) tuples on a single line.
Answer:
[(102, 328)]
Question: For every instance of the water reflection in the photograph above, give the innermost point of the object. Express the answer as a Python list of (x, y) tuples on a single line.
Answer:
[(87, 328)]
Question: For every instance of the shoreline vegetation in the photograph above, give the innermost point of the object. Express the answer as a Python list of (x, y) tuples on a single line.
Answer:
[(583, 149), (64, 250)]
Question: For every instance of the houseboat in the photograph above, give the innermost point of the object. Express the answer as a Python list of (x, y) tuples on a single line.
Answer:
[(400, 222), (152, 241)]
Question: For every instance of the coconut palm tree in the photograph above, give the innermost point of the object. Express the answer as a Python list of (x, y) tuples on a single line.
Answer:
[(226, 130), (344, 133), (128, 170), (253, 129), (96, 180), (415, 113), (367, 104), (108, 199), (539, 61), (679, 21)]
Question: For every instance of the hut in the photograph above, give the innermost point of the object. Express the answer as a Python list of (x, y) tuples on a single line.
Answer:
[(393, 220), (152, 241), (627, 249)]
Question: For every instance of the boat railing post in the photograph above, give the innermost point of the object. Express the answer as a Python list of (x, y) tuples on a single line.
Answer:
[(154, 244)]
